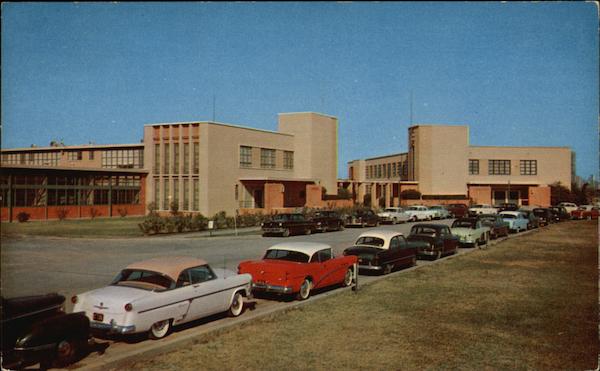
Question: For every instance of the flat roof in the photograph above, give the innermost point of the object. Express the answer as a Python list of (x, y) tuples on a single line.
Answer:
[(279, 179), (307, 112), (523, 147), (75, 147), (220, 124)]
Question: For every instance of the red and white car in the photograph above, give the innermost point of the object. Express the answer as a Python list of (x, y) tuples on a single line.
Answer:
[(298, 268), (154, 295), (586, 212)]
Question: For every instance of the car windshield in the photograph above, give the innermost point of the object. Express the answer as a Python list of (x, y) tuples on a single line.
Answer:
[(508, 216), (370, 241), (436, 207), (414, 208), (147, 280), (293, 256), (281, 218), (463, 224), (479, 206), (423, 230)]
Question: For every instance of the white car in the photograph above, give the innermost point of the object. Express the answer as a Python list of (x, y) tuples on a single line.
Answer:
[(440, 211), (569, 206), (155, 294), (482, 209), (419, 212), (516, 220), (393, 215)]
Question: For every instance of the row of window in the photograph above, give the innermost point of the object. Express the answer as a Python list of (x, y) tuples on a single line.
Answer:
[(267, 158), (122, 158), (389, 170), (32, 158), (190, 156), (170, 196), (502, 167), (83, 180), (35, 197), (117, 158)]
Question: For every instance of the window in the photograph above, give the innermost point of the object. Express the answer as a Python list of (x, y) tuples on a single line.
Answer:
[(166, 164), (123, 158), (74, 155), (379, 171), (288, 160), (394, 173), (166, 197), (157, 158), (196, 158), (367, 175), (186, 194), (528, 167), (176, 158), (196, 195), (389, 170), (186, 157), (498, 167), (473, 167), (91, 155), (245, 156), (267, 158)]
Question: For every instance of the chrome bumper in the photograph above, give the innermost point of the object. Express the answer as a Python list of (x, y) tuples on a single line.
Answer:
[(112, 327), (370, 267), (273, 230), (271, 288)]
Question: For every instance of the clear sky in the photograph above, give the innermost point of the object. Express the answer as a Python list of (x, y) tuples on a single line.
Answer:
[(519, 74)]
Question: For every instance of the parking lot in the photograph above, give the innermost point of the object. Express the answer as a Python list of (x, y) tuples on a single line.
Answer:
[(68, 266)]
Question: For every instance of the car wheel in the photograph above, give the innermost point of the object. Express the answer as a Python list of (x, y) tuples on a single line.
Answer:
[(413, 219), (66, 352), (237, 305), (307, 231), (341, 227), (160, 329), (387, 269), (376, 224), (414, 261), (438, 255), (348, 277), (305, 288), (286, 232), (395, 221)]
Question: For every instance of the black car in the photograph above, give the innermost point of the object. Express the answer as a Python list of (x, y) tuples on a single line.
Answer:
[(362, 218), (288, 224), (534, 221), (544, 215), (439, 240), (35, 329), (508, 206), (327, 220), (498, 227), (559, 213)]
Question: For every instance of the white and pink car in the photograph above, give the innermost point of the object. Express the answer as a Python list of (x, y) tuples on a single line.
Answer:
[(154, 295)]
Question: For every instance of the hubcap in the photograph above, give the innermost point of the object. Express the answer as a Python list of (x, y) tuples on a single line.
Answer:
[(64, 348)]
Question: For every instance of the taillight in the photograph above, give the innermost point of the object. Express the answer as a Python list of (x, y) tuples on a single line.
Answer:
[(128, 307), (74, 299)]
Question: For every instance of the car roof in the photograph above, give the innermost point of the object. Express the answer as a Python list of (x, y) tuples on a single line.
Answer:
[(384, 234), (511, 212), (170, 266), (430, 225), (308, 248)]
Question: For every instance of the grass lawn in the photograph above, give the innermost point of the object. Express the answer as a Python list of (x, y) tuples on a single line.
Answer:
[(527, 303), (99, 227)]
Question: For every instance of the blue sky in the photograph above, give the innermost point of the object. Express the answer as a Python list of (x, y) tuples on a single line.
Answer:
[(519, 74)]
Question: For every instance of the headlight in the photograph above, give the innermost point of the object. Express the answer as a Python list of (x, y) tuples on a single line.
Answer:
[(74, 299), (281, 224)]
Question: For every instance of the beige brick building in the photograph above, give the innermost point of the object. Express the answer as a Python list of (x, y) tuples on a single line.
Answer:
[(445, 168)]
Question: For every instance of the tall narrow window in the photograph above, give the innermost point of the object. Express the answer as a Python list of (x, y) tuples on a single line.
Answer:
[(157, 158), (288, 160), (389, 170), (166, 162), (176, 158), (91, 155), (245, 156), (186, 194), (186, 157), (175, 192), (267, 158), (157, 199), (166, 196), (196, 193), (196, 159), (473, 167)]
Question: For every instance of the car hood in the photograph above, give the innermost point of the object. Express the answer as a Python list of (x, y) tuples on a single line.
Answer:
[(462, 231)]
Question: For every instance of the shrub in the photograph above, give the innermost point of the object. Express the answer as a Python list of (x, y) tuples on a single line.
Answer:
[(122, 212), (174, 207), (152, 224), (221, 220), (62, 213), (344, 193), (152, 207), (170, 225), (22, 217), (199, 222)]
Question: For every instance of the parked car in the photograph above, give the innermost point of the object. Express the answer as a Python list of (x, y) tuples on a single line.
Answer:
[(559, 213), (516, 220), (569, 206), (154, 295), (544, 215), (470, 231), (482, 209), (288, 224), (393, 215), (35, 329), (383, 250), (298, 268), (458, 210), (534, 221), (585, 212), (362, 218), (498, 227), (327, 220), (440, 211), (507, 206), (419, 212), (439, 240)]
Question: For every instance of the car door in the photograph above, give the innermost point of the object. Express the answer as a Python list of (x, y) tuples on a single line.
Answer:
[(448, 239), (395, 254), (207, 297), (321, 268)]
